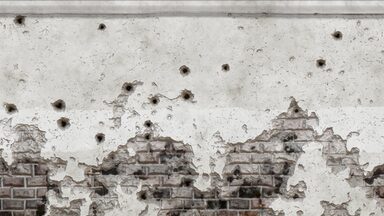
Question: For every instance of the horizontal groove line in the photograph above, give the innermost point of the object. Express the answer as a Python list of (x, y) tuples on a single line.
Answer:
[(193, 7)]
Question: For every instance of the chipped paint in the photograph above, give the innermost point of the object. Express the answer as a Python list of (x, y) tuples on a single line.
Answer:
[(73, 95)]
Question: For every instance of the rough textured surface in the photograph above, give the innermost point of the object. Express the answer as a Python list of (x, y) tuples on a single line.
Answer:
[(127, 116)]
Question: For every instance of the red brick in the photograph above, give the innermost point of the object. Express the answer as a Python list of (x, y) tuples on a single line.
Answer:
[(227, 213), (150, 180), (182, 192), (37, 181), (157, 145), (171, 181), (22, 169), (239, 204), (172, 204), (31, 204), (249, 213), (148, 158), (13, 204), (207, 213), (24, 213), (13, 181), (23, 193), (261, 203), (5, 192), (158, 169), (239, 158), (194, 204), (41, 192)]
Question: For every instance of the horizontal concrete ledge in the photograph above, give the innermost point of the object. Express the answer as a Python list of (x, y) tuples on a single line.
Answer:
[(191, 7)]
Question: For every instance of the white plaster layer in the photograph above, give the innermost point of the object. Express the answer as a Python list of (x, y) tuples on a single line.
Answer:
[(270, 58)]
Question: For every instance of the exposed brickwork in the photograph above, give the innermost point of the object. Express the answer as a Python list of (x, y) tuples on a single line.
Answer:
[(163, 167), (256, 172), (24, 183), (374, 181)]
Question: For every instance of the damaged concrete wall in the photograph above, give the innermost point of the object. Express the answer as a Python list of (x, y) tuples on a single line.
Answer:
[(178, 116)]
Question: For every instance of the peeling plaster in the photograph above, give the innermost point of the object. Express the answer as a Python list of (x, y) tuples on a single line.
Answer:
[(324, 185), (89, 71)]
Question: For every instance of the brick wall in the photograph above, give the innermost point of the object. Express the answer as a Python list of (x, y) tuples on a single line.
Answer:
[(23, 189), (256, 172), (24, 183)]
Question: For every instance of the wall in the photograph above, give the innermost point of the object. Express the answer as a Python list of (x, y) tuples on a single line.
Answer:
[(170, 115)]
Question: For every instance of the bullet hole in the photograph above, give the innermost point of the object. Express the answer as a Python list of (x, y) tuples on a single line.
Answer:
[(59, 105), (142, 195), (128, 87), (288, 149), (100, 137), (154, 100), (148, 123), (250, 192), (161, 193), (230, 179), (101, 190), (237, 172), (337, 35), (63, 123), (147, 136), (10, 108), (102, 27), (184, 70), (19, 20), (289, 137), (112, 171), (186, 182), (187, 95), (225, 67), (138, 173), (320, 63), (296, 110)]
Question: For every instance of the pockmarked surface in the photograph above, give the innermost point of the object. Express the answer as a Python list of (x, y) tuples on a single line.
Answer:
[(126, 115)]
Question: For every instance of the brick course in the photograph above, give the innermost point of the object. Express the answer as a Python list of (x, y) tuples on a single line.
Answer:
[(255, 174), (22, 191)]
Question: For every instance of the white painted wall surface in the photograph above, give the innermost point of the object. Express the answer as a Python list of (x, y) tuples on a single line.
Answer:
[(271, 60)]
